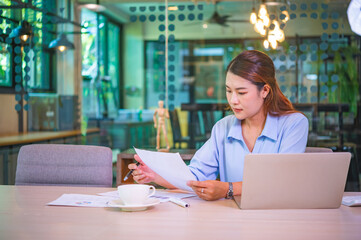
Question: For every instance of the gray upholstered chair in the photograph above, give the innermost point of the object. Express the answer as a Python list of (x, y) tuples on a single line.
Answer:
[(62, 164), (317, 149)]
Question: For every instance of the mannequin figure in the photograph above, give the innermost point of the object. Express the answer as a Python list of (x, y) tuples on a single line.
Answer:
[(160, 123)]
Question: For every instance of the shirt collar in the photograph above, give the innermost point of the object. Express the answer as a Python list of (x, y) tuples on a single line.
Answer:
[(270, 128), (236, 130)]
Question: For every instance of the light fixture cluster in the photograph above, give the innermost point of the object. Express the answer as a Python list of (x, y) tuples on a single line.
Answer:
[(269, 26), (25, 32)]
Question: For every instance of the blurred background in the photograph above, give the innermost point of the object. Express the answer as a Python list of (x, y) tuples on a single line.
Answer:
[(93, 71)]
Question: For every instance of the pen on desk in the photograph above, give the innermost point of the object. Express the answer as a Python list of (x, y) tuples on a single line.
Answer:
[(179, 202), (130, 172)]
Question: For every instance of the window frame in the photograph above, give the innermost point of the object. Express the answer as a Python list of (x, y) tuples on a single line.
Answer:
[(50, 64)]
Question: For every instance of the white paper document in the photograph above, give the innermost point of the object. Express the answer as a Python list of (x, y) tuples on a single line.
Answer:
[(81, 200), (173, 194), (162, 195), (170, 166), (352, 201)]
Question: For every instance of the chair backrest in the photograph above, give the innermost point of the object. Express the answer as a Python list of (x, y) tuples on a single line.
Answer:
[(317, 149), (63, 164), (208, 121), (174, 120)]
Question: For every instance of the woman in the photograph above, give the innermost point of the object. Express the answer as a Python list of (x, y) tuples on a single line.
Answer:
[(264, 121)]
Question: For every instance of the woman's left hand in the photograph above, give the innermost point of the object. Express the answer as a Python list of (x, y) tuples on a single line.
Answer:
[(209, 189)]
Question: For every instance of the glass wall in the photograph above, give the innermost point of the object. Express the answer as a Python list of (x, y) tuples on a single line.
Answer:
[(5, 56), (187, 47), (315, 64), (199, 49), (33, 56), (39, 58), (100, 65), (135, 53)]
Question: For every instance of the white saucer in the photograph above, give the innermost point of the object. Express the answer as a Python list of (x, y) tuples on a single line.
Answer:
[(148, 203)]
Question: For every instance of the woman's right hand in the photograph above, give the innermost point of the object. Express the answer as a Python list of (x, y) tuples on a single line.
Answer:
[(142, 173)]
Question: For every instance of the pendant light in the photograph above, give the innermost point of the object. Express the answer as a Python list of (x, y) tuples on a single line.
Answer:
[(95, 7), (24, 31), (354, 16), (253, 17), (61, 43)]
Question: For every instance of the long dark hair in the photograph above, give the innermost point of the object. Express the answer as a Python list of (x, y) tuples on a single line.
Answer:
[(258, 68)]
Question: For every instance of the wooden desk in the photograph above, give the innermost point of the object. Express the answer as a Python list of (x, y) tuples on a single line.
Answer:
[(34, 137), (24, 215), (126, 157)]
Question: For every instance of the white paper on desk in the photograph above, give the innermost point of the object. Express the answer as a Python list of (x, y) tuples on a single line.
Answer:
[(352, 201), (170, 166), (170, 194), (81, 200), (162, 195)]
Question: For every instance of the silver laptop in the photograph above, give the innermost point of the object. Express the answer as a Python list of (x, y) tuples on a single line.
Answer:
[(291, 181)]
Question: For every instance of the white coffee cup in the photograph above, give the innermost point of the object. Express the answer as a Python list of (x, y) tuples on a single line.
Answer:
[(135, 194)]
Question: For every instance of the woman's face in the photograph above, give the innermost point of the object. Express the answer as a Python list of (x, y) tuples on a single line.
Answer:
[(244, 97)]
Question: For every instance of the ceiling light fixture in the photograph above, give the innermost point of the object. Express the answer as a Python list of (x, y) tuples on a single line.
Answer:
[(172, 8), (275, 2), (354, 16), (61, 43), (253, 17), (95, 7), (272, 31), (24, 31)]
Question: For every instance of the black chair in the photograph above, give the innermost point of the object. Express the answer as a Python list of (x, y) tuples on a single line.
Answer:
[(208, 122), (328, 130), (178, 139)]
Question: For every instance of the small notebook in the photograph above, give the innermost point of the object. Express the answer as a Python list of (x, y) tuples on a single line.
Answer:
[(352, 201)]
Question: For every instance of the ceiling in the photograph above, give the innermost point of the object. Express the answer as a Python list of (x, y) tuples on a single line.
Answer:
[(208, 1), (238, 10)]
